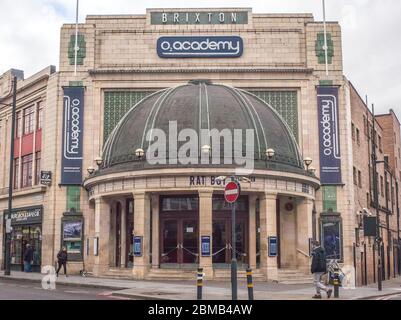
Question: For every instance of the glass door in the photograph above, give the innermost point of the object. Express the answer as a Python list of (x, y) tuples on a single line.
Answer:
[(170, 244), (220, 241), (189, 242)]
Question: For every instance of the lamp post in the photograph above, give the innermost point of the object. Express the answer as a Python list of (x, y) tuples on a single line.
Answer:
[(378, 239), (7, 254)]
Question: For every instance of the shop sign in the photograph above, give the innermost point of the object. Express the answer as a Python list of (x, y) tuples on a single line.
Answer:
[(72, 137), (200, 47), (26, 216), (194, 17), (46, 178), (329, 136), (209, 181)]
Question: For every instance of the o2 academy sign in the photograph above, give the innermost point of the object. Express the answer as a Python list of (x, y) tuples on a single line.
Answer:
[(200, 47), (193, 17)]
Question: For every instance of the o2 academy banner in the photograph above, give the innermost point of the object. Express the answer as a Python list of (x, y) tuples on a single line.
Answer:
[(329, 136), (72, 149)]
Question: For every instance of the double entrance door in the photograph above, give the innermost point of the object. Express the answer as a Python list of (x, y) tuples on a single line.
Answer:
[(179, 242), (222, 240)]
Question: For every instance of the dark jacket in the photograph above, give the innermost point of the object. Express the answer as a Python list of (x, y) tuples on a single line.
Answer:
[(318, 260), (62, 256), (28, 255)]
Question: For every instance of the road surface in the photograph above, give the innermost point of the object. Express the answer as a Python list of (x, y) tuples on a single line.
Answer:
[(26, 290)]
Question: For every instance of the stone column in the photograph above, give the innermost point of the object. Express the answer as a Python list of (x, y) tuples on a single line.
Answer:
[(304, 232), (123, 234), (252, 232), (155, 231), (102, 232), (142, 229), (206, 229), (268, 228)]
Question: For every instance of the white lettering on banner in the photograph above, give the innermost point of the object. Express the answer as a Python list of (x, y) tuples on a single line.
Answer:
[(206, 46), (72, 128), (330, 127)]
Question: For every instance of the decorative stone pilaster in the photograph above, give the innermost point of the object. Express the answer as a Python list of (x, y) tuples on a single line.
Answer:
[(304, 232), (268, 228), (142, 229), (102, 232), (155, 231), (252, 231), (206, 229)]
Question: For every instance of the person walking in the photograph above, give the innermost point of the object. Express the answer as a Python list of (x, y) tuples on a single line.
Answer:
[(318, 269), (62, 258), (28, 258)]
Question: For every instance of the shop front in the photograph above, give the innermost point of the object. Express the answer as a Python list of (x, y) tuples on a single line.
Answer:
[(26, 226)]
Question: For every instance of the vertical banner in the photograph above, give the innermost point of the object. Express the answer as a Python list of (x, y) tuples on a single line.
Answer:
[(72, 145), (329, 136)]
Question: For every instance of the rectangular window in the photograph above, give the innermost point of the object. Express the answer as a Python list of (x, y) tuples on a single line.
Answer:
[(29, 120), (382, 186), (18, 125), (353, 131), (359, 179), (73, 198), (365, 125), (355, 176), (380, 144), (27, 162), (40, 116), (358, 137), (38, 167), (16, 173)]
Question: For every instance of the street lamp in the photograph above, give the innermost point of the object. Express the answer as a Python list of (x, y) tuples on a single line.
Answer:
[(308, 161), (205, 149), (270, 153), (7, 254), (139, 153), (378, 239), (91, 170), (99, 161)]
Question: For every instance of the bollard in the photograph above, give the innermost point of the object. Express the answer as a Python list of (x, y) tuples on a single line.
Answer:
[(199, 283), (249, 283), (336, 282)]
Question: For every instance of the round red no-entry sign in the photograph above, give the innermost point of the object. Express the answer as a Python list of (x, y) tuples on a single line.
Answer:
[(231, 192)]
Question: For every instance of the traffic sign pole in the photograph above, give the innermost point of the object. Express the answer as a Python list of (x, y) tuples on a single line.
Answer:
[(231, 194)]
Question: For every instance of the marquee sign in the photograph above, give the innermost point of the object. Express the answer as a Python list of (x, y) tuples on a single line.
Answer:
[(72, 144), (193, 17), (329, 136), (200, 47)]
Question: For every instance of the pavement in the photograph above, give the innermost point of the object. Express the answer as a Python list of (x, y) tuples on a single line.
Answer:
[(212, 290)]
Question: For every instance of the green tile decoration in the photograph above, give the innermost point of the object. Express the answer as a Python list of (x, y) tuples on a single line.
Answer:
[(81, 52), (116, 105), (329, 198), (76, 83), (285, 103), (320, 48), (73, 198)]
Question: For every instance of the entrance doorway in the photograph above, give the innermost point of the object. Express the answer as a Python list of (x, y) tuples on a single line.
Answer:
[(179, 232), (222, 232)]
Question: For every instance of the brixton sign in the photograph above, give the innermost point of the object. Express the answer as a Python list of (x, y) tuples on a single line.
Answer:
[(200, 47), (231, 192), (193, 17)]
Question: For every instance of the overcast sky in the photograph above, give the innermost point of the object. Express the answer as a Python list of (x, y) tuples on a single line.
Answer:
[(29, 36)]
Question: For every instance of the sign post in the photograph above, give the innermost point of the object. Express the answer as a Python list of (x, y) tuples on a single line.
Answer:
[(231, 194)]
